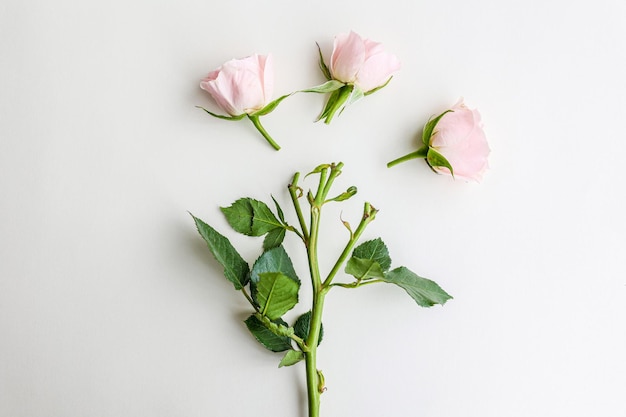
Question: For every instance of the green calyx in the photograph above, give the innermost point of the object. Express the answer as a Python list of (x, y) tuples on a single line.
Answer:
[(432, 156)]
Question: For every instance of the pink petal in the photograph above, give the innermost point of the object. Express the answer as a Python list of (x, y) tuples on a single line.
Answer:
[(347, 57), (376, 71)]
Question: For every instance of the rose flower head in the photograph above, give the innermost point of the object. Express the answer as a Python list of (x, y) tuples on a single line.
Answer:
[(358, 67), (454, 143), (361, 62), (243, 88)]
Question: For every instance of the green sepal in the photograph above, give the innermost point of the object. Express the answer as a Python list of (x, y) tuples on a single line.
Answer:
[(251, 217), (425, 292), (345, 195), (373, 90), (219, 116), (435, 159), (327, 87), (322, 64), (302, 326), (336, 101), (236, 270), (363, 269), (356, 95), (375, 250), (270, 106), (291, 358), (276, 294), (429, 128), (267, 337)]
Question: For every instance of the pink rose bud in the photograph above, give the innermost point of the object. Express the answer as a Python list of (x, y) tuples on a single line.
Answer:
[(361, 62), (454, 143), (460, 139), (241, 86), (358, 67)]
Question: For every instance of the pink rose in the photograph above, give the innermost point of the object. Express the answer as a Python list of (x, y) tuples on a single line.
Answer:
[(358, 67), (361, 62), (454, 143), (241, 86), (460, 139)]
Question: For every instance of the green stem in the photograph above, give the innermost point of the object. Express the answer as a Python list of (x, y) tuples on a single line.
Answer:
[(245, 293), (319, 293), (335, 170), (293, 192), (312, 376), (357, 284), (420, 153), (369, 214), (319, 195), (257, 123), (313, 380)]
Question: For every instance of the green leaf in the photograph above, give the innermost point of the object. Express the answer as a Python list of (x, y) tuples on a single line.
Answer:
[(263, 220), (266, 337), (270, 107), (328, 87), (236, 269), (375, 250), (302, 327), (425, 292), (273, 239), (274, 260), (276, 294), (239, 215), (291, 358), (435, 159), (251, 217), (364, 268), (429, 128), (279, 210), (219, 116), (322, 64)]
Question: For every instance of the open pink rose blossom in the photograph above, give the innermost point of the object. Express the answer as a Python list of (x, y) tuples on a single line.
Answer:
[(454, 143), (361, 62), (241, 86)]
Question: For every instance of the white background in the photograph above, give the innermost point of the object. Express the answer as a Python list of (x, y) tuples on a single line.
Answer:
[(111, 305)]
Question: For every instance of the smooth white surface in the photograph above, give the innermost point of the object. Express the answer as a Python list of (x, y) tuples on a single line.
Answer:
[(110, 304)]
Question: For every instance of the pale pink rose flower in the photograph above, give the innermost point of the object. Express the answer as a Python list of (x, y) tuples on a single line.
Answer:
[(361, 62), (460, 138), (241, 85)]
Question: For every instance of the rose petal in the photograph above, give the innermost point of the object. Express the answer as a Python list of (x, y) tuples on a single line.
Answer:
[(347, 57), (376, 71)]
